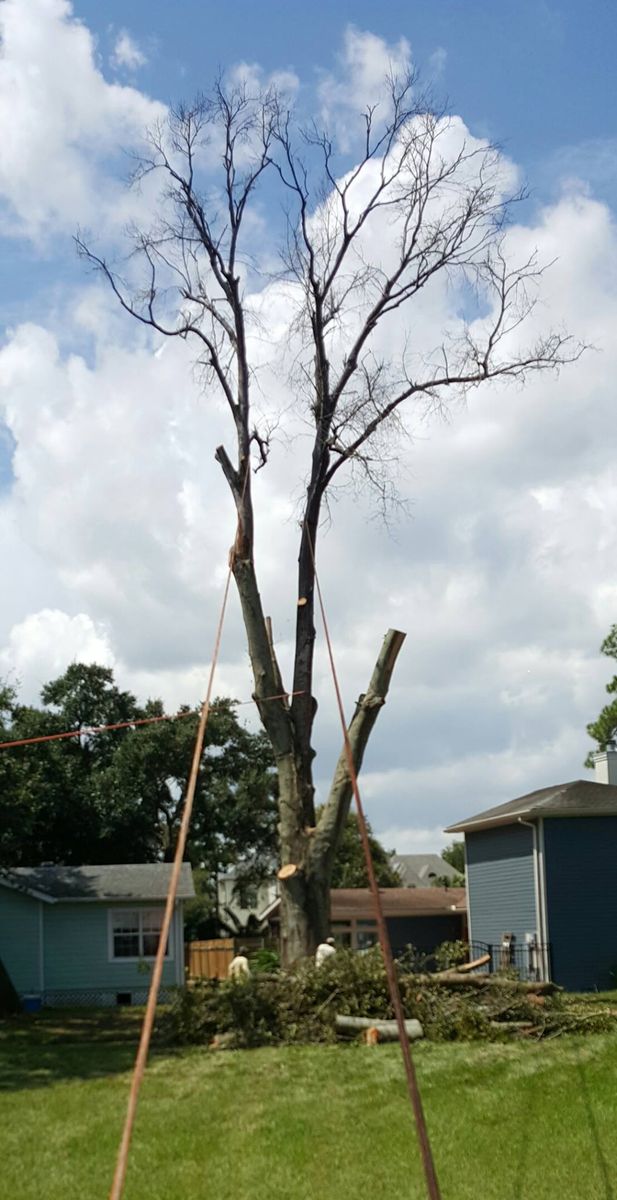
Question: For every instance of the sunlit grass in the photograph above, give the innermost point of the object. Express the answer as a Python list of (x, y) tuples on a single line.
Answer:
[(318, 1122)]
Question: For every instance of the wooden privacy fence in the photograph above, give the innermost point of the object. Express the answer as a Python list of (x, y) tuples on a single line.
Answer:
[(209, 959)]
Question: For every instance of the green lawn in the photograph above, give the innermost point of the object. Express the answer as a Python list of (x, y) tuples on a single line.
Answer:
[(320, 1122)]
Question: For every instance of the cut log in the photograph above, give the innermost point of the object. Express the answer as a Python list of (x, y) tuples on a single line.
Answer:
[(387, 1030), (288, 871), (473, 966), (452, 979)]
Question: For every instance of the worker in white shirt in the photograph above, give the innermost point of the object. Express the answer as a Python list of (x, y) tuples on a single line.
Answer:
[(324, 950), (238, 969)]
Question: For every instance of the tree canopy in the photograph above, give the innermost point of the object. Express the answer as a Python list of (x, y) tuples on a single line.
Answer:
[(604, 729), (117, 796), (416, 206), (349, 866)]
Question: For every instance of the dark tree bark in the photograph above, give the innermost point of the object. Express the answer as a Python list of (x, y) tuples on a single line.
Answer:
[(448, 213)]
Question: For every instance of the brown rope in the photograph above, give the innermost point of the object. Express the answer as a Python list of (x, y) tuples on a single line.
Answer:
[(91, 730), (117, 1187), (428, 1164)]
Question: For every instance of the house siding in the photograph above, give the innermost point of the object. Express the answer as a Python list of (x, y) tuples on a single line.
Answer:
[(581, 900), (19, 939), (501, 892), (72, 965), (77, 951)]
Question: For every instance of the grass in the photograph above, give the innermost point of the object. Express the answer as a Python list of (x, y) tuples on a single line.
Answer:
[(318, 1122)]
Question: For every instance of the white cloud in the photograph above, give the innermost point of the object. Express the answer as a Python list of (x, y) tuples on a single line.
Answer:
[(127, 53), (62, 123), (119, 521), (43, 645), (363, 67)]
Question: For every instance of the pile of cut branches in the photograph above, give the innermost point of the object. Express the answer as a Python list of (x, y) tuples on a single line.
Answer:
[(301, 1005)]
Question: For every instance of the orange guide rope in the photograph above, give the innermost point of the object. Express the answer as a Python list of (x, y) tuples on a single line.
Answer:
[(117, 1188), (90, 730), (428, 1164)]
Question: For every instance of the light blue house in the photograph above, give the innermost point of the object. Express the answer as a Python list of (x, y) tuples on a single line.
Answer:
[(541, 881), (88, 935)]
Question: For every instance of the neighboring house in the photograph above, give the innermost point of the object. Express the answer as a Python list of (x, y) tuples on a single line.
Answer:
[(419, 870), (420, 917), (541, 880), (88, 935), (254, 901)]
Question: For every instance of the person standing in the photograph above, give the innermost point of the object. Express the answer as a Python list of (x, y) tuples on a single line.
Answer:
[(324, 951), (239, 969)]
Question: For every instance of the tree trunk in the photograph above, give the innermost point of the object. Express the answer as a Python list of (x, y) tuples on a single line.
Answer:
[(307, 853), (305, 890)]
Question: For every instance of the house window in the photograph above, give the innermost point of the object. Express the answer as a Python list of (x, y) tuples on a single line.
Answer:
[(366, 934), (135, 932)]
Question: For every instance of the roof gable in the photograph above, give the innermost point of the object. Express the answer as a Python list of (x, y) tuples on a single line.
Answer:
[(580, 798)]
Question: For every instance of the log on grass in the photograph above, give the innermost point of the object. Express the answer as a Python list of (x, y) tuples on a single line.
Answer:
[(451, 979), (388, 1030)]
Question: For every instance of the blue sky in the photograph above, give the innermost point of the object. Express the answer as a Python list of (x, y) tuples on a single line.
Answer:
[(536, 76), (113, 516)]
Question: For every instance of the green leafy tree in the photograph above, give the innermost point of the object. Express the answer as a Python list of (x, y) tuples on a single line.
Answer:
[(454, 854), (117, 796), (604, 729), (349, 865)]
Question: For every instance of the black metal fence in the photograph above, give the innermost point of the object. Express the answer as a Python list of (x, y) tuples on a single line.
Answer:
[(530, 961)]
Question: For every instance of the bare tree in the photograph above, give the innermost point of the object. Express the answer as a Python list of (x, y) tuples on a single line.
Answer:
[(445, 211)]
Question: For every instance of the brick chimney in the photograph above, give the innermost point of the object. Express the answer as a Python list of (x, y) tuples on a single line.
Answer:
[(605, 766)]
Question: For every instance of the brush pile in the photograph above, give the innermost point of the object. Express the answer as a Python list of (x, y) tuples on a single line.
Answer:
[(302, 1005)]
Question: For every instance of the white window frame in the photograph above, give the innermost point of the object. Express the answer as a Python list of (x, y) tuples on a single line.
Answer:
[(113, 913)]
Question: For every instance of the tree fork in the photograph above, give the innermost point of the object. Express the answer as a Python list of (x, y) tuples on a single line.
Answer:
[(305, 892)]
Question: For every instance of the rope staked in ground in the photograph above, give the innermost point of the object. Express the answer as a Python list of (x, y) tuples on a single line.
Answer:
[(428, 1164), (117, 1188)]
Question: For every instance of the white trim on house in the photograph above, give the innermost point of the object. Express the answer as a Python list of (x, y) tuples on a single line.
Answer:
[(467, 893), (41, 948), (112, 958), (543, 912)]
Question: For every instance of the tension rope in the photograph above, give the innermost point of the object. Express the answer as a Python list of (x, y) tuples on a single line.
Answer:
[(413, 1089), (119, 1179)]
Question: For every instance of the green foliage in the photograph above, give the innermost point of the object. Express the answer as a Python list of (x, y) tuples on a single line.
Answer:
[(265, 959), (117, 796), (349, 865), (604, 729), (451, 954), (300, 1005), (454, 854)]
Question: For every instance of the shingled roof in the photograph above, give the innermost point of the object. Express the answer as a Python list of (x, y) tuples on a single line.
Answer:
[(581, 798), (114, 882)]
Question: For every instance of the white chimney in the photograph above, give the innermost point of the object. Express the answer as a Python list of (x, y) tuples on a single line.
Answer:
[(605, 766)]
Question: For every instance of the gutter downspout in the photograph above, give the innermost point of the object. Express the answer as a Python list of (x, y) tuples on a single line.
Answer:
[(538, 890), (41, 949)]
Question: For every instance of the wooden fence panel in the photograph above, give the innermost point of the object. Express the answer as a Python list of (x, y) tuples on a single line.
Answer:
[(209, 959)]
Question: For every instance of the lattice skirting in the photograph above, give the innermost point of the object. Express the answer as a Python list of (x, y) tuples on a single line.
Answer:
[(101, 997)]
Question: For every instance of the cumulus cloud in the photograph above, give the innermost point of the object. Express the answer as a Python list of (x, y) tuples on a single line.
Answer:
[(40, 648), (63, 124), (127, 53), (118, 519), (364, 65)]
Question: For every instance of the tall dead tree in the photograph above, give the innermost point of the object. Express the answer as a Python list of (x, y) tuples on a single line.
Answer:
[(362, 245)]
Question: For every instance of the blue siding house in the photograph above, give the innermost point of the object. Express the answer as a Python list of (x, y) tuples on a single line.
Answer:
[(88, 935), (541, 880)]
